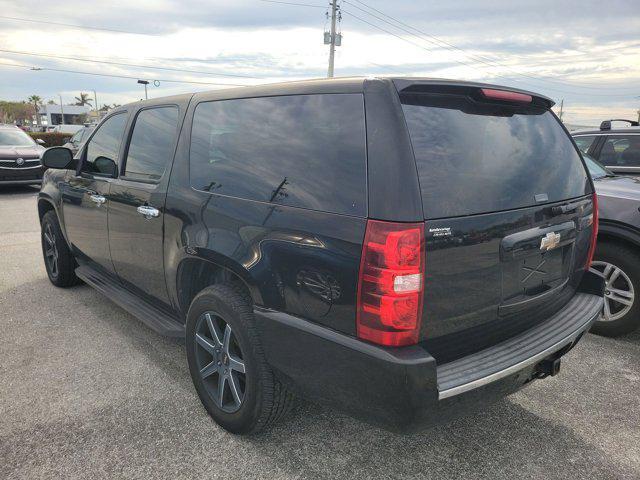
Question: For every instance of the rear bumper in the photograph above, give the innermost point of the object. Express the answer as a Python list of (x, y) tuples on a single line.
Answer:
[(404, 388)]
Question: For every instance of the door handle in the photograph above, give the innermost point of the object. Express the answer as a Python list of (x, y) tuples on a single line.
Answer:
[(99, 199), (148, 212)]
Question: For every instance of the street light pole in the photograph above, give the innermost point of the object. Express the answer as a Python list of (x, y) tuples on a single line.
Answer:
[(145, 83), (61, 110)]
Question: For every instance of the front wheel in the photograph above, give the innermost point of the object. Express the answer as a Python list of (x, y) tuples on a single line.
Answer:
[(620, 267), (233, 380), (58, 259)]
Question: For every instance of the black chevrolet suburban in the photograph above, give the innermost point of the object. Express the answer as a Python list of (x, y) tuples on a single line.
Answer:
[(406, 250)]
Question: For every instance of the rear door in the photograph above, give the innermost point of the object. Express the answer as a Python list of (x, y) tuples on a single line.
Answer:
[(507, 204), (85, 195), (137, 200)]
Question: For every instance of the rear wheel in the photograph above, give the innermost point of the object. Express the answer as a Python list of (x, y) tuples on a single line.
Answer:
[(620, 267), (58, 259), (233, 380)]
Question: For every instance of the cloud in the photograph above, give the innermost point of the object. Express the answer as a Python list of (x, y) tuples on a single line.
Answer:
[(576, 51)]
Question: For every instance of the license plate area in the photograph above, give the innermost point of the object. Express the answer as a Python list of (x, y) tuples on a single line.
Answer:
[(532, 273)]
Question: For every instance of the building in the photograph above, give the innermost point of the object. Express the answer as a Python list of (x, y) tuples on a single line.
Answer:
[(51, 115)]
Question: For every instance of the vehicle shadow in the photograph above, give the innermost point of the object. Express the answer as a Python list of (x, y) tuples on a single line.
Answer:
[(504, 441)]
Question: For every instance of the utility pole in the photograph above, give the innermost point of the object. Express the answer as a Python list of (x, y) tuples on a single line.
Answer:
[(561, 109), (95, 100), (332, 44)]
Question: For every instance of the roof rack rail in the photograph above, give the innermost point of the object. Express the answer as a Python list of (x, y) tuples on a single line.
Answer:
[(606, 125)]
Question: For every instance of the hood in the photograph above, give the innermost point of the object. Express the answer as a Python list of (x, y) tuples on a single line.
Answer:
[(24, 152), (626, 187)]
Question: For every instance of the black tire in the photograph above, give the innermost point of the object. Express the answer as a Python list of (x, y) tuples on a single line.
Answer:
[(627, 259), (58, 259), (264, 399)]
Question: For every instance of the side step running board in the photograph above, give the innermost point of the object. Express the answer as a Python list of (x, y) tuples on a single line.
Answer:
[(153, 317)]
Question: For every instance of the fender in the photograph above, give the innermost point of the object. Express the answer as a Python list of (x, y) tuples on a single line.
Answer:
[(50, 194), (620, 230)]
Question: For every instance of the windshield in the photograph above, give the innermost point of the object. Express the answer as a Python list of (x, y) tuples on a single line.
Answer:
[(595, 169), (15, 138)]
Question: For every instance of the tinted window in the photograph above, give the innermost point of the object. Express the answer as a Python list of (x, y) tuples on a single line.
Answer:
[(104, 147), (152, 143), (305, 151), (476, 158), (584, 142), (621, 151)]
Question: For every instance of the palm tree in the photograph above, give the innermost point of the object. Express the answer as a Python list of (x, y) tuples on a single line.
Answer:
[(36, 100), (83, 99)]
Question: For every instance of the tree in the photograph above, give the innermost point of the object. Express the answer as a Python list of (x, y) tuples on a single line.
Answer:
[(19, 112), (51, 102), (36, 101), (83, 100)]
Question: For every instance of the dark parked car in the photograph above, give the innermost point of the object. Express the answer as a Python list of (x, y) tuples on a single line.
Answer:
[(19, 157), (79, 138), (406, 269), (616, 148), (617, 254)]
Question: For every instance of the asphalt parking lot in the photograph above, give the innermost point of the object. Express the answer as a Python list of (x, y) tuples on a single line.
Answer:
[(87, 391)]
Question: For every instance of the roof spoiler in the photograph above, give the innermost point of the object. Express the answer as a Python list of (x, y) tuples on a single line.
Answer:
[(606, 125), (488, 91)]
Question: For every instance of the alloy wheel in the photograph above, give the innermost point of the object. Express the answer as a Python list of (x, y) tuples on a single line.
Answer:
[(51, 250), (220, 362), (619, 293)]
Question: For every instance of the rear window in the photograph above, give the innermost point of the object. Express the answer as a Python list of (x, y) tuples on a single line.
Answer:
[(305, 151), (475, 157)]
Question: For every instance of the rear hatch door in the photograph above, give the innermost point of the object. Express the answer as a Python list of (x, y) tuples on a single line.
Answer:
[(507, 204)]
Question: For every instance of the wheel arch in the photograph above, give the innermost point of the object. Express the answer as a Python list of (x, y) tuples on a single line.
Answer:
[(195, 274), (618, 232)]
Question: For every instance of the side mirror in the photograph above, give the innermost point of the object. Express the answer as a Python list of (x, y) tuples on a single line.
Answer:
[(105, 166), (57, 157), (40, 141)]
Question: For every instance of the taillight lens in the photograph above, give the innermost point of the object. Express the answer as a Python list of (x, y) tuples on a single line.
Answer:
[(594, 231), (391, 283)]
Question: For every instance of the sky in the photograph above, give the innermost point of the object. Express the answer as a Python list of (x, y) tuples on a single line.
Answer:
[(586, 52)]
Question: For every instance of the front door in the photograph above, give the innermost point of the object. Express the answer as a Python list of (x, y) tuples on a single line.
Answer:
[(137, 200), (85, 197)]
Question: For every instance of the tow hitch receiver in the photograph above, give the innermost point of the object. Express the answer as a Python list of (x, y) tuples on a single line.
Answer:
[(548, 367)]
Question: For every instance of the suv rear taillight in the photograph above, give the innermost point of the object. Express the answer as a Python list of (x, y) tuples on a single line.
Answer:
[(594, 232), (390, 283)]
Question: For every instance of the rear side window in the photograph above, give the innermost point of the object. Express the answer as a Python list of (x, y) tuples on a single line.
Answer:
[(621, 151), (152, 143), (584, 142), (301, 150), (475, 157)]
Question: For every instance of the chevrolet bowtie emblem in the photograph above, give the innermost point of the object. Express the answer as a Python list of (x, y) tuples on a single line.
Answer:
[(549, 241)]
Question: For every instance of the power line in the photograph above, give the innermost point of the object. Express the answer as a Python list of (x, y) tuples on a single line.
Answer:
[(82, 27), (293, 3), (36, 68), (108, 62), (444, 44), (471, 65)]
